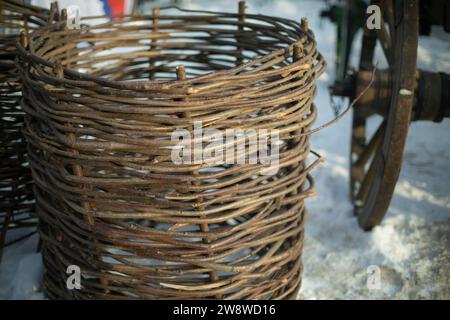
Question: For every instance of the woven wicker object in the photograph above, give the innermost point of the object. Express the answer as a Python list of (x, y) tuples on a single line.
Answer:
[(16, 188), (102, 103)]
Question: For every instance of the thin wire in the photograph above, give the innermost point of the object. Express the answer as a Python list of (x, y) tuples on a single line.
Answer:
[(339, 116)]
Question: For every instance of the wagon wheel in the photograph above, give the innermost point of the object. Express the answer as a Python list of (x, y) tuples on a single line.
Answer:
[(376, 160)]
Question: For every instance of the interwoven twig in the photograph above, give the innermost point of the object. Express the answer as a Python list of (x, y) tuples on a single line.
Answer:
[(16, 188), (109, 197)]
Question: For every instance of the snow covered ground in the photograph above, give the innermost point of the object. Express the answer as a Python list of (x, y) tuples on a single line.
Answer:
[(411, 247)]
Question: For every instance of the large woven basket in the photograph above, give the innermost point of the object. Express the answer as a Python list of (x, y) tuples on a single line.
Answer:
[(16, 187), (102, 104)]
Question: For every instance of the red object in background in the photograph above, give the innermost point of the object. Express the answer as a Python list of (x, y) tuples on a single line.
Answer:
[(117, 7)]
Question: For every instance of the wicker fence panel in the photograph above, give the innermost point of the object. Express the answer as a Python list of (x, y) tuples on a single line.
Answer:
[(16, 186)]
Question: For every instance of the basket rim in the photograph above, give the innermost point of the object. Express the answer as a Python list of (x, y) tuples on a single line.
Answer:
[(168, 85)]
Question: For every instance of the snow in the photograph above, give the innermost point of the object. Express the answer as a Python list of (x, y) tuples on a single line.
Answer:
[(411, 248), (21, 271)]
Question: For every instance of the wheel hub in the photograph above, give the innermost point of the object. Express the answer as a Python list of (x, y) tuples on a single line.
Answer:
[(431, 95)]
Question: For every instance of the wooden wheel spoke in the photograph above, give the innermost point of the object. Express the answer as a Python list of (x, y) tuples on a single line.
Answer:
[(385, 41), (359, 134), (388, 13), (363, 191), (373, 145)]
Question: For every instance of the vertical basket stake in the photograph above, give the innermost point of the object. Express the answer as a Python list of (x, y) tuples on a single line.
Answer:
[(297, 53), (181, 75), (304, 24), (78, 171), (67, 42), (23, 39), (63, 16), (155, 22), (135, 8), (53, 12), (26, 29), (241, 19)]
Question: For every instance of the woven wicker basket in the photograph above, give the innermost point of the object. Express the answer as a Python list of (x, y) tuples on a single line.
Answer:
[(16, 187), (102, 103)]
